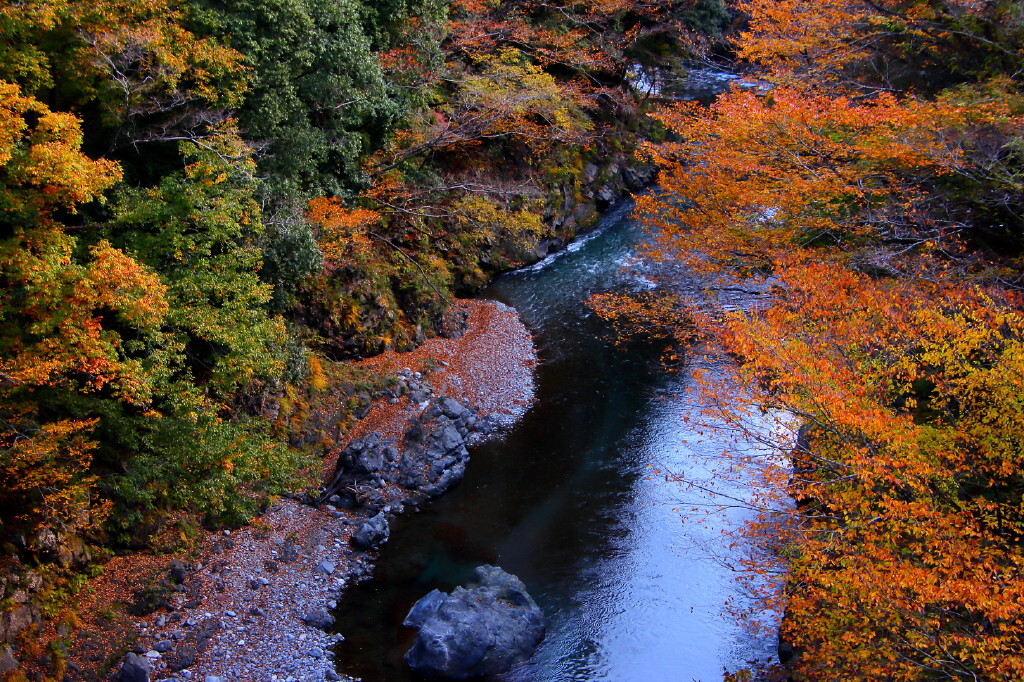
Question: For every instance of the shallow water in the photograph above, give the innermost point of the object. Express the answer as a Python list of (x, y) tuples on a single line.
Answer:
[(633, 583)]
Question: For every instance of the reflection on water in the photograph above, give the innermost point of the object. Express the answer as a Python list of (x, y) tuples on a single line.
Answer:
[(632, 585)]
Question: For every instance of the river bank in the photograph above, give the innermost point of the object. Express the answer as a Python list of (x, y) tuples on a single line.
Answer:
[(579, 500), (255, 604)]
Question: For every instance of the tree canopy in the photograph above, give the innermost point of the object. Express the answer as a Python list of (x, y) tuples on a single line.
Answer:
[(870, 178)]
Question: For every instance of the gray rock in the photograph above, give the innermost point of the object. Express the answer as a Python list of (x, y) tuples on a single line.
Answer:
[(371, 533), (177, 571), (483, 629), (319, 618), (163, 646), (325, 567), (17, 619), (452, 408), (8, 663), (424, 609), (135, 668)]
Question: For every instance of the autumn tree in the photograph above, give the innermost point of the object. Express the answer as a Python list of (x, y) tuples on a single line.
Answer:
[(63, 317), (128, 342), (868, 186)]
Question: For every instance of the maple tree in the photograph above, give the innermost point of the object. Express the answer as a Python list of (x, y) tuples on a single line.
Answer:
[(890, 335)]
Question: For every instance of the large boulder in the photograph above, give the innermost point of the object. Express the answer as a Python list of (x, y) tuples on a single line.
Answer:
[(372, 533), (135, 668), (484, 628)]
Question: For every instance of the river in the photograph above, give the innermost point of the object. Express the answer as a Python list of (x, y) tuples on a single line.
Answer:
[(631, 573)]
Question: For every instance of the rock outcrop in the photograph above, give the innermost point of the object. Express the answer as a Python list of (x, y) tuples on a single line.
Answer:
[(485, 628), (432, 458), (372, 533), (435, 457)]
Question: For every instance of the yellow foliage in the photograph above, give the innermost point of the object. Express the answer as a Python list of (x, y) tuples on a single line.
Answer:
[(317, 377)]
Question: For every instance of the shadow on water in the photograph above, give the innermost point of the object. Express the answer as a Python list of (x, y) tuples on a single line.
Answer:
[(567, 502)]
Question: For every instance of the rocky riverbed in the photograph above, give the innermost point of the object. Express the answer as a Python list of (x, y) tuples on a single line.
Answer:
[(256, 603)]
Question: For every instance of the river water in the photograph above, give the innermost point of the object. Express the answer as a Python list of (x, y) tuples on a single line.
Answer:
[(632, 575)]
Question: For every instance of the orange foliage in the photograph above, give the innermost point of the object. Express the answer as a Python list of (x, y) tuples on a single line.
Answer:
[(43, 167), (135, 57), (836, 41), (793, 168), (343, 237), (58, 315), (909, 396), (885, 337)]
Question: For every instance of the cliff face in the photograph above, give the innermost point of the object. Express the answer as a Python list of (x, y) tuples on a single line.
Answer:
[(605, 181)]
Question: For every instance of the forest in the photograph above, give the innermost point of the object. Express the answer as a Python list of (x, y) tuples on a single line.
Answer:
[(210, 207)]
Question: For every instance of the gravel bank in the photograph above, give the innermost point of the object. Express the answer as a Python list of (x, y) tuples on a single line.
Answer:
[(253, 606)]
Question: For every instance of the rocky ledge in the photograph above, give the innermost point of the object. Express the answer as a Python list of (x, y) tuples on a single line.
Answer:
[(431, 457)]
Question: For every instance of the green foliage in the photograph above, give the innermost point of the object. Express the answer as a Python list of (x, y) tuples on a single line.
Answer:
[(291, 256), (201, 229), (386, 20), (318, 98), (200, 462), (707, 17)]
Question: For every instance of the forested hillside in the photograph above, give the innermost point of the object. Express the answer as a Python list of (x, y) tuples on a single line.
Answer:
[(207, 206), (873, 180)]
